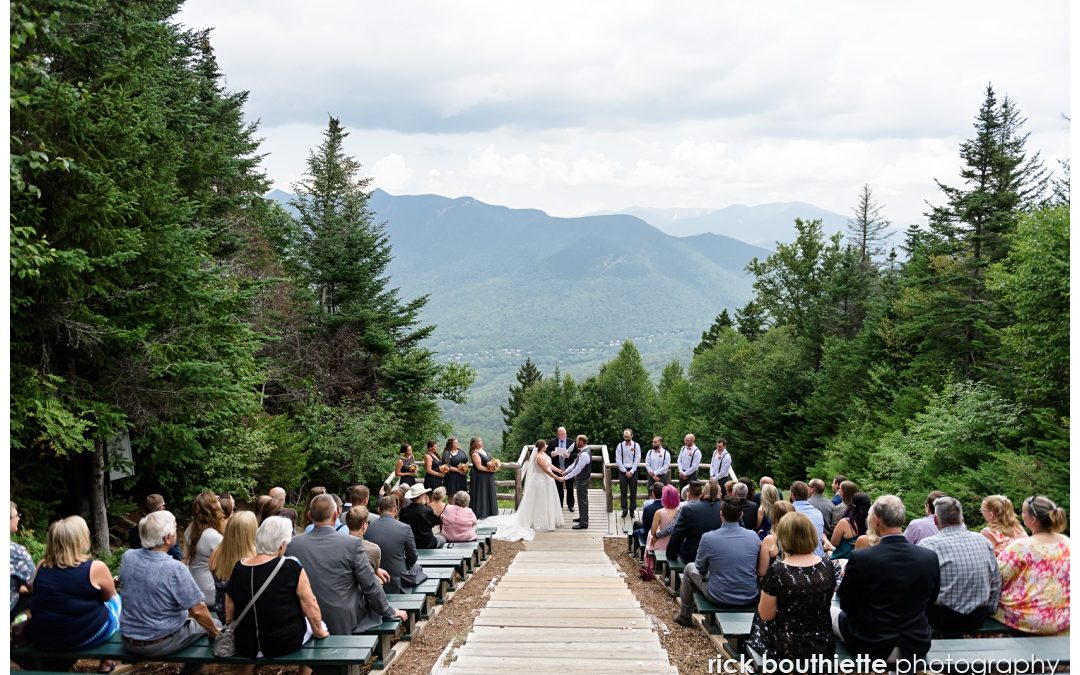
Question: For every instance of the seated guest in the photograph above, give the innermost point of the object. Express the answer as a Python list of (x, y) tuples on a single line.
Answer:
[(770, 546), (201, 537), (837, 481), (419, 516), (725, 568), (853, 526), (164, 609), (1002, 527), (339, 521), (822, 503), (799, 493), (438, 500), (669, 502), (22, 569), (846, 494), (869, 539), (924, 527), (769, 496), (153, 503), (970, 580), (762, 482), (290, 515), (796, 595), (458, 520), (398, 546), (344, 583), (358, 495), (1035, 572), (228, 504), (74, 605), (749, 518), (648, 510), (886, 590), (286, 615), (356, 520), (696, 517), (238, 541)]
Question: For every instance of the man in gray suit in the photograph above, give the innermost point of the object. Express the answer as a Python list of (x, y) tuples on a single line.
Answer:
[(398, 546), (349, 595), (580, 472)]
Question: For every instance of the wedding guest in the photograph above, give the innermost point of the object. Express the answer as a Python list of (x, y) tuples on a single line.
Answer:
[(924, 527), (458, 462), (846, 494), (482, 492), (356, 520), (658, 462), (853, 526), (419, 516), (1002, 527), (669, 502), (762, 482), (278, 494), (287, 614), (228, 504), (74, 604), (1035, 572), (869, 539), (22, 569), (398, 546), (201, 537), (458, 520), (648, 511), (796, 594), (438, 501), (770, 546), (822, 503), (886, 589), (406, 467), (970, 580), (837, 481), (434, 469), (339, 522), (238, 541), (164, 610), (749, 518), (724, 568), (359, 495), (153, 503), (689, 461), (696, 517), (799, 493), (769, 496)]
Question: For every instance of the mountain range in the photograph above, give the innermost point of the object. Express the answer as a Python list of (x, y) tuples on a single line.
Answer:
[(506, 284)]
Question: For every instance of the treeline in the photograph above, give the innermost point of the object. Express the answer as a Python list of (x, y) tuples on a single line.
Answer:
[(944, 366), (157, 298)]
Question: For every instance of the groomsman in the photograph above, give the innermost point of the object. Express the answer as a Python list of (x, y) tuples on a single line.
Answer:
[(628, 456), (658, 463), (720, 466), (689, 461), (563, 452)]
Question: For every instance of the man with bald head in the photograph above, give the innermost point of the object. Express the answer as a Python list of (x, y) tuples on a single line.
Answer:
[(762, 482), (563, 452), (689, 461), (278, 494)]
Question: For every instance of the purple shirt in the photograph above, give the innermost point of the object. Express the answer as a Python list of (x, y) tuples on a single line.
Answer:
[(920, 529)]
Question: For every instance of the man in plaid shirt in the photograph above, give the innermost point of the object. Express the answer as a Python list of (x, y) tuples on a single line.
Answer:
[(970, 580)]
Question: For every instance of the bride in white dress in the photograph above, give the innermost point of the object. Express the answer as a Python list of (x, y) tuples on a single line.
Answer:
[(539, 509)]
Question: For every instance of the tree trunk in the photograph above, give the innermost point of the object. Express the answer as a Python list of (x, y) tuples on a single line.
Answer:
[(99, 527)]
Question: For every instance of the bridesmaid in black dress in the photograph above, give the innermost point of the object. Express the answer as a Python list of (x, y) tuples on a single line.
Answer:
[(454, 457), (433, 467), (482, 497), (406, 466)]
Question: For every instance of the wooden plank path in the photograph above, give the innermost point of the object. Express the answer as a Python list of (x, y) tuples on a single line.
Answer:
[(562, 606)]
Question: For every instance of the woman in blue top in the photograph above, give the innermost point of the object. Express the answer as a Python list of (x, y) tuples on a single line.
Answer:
[(74, 605)]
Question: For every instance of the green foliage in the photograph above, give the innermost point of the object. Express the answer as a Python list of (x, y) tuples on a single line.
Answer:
[(528, 375), (621, 395), (708, 337), (546, 405)]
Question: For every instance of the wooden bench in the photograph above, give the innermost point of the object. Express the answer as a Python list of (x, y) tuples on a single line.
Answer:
[(335, 653), (734, 623), (675, 569), (413, 604), (385, 632), (437, 586), (455, 561)]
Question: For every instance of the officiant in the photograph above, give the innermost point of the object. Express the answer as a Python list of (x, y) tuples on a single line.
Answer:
[(563, 452)]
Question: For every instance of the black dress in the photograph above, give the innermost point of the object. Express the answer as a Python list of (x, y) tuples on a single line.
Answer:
[(275, 625), (455, 481), (433, 479), (406, 464), (802, 626), (482, 499)]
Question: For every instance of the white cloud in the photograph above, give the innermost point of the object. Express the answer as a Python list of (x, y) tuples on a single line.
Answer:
[(392, 173)]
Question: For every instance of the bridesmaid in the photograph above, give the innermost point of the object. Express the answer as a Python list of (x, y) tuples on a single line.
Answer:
[(454, 457), (482, 497), (406, 466), (433, 467)]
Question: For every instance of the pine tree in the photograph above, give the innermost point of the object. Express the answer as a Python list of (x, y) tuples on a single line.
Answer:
[(708, 337), (527, 375), (751, 320), (867, 231)]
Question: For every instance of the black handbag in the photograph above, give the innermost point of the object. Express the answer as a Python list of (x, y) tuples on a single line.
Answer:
[(225, 642)]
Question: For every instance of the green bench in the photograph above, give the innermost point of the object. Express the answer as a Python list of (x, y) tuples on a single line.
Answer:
[(674, 570), (385, 633), (734, 623), (458, 563), (434, 586), (335, 653), (413, 604)]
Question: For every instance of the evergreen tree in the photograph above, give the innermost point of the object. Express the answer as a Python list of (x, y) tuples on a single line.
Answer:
[(751, 320), (708, 337), (867, 231), (546, 405), (621, 395), (527, 375)]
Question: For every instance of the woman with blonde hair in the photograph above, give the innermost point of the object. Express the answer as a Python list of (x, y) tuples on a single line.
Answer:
[(238, 541), (1035, 572), (438, 500), (769, 496), (1002, 527), (201, 537), (75, 604), (770, 547)]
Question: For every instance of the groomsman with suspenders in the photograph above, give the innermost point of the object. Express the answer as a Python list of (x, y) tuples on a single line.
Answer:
[(628, 456), (563, 452), (658, 462), (720, 466), (689, 461)]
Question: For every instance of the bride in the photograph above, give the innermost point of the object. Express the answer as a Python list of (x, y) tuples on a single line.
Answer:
[(539, 509)]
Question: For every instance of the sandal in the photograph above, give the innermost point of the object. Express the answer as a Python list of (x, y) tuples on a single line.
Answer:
[(106, 666)]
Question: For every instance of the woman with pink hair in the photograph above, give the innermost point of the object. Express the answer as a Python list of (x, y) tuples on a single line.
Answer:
[(669, 500)]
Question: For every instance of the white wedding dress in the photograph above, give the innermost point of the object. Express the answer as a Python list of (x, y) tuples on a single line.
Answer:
[(539, 510)]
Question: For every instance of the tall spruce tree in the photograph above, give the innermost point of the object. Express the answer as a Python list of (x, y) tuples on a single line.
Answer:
[(708, 337), (527, 375), (751, 320), (867, 230)]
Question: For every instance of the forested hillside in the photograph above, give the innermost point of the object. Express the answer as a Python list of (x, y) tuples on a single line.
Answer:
[(949, 370)]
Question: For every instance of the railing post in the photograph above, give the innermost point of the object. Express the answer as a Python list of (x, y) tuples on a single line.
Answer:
[(607, 476)]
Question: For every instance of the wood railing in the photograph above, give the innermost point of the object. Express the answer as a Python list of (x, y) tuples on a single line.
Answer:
[(610, 484)]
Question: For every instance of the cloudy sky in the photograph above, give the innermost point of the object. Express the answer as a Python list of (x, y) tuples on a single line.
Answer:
[(574, 107)]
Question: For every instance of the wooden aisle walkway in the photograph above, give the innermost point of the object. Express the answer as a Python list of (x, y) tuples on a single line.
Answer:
[(563, 607)]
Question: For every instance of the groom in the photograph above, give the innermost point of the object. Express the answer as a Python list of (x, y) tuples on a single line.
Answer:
[(580, 472)]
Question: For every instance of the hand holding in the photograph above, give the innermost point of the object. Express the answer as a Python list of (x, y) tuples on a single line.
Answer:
[(383, 575)]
